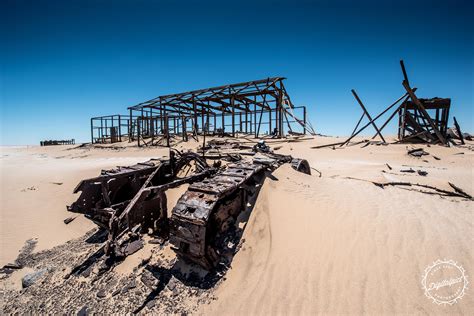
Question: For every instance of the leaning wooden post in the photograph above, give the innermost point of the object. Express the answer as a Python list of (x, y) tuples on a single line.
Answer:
[(367, 113), (458, 129), (404, 71), (421, 108)]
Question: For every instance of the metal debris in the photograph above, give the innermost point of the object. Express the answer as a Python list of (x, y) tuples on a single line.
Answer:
[(131, 201), (417, 152), (69, 219)]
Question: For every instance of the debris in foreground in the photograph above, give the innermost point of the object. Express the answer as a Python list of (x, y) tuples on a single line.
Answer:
[(417, 152), (69, 219)]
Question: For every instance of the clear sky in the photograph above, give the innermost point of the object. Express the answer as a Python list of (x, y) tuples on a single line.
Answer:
[(62, 62)]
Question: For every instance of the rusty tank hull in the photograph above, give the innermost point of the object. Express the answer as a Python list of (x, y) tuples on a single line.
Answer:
[(131, 201)]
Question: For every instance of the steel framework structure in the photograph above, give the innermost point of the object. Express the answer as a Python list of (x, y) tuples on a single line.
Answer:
[(111, 128), (253, 108)]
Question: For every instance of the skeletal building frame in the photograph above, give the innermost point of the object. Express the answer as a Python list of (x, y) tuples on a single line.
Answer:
[(260, 107), (111, 128)]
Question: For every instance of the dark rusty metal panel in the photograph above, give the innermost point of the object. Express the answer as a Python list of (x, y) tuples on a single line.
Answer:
[(128, 201)]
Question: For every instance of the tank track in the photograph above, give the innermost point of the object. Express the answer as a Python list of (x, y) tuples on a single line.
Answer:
[(206, 212), (131, 201)]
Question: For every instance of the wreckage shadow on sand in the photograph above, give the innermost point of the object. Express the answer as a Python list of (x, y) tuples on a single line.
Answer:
[(196, 276)]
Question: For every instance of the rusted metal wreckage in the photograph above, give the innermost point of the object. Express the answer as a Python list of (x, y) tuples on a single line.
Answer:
[(257, 108), (131, 201), (419, 120)]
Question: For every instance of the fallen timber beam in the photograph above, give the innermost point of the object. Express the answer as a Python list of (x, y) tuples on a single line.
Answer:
[(457, 191), (328, 145)]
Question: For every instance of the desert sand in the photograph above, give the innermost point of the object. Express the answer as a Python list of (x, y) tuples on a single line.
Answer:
[(329, 244)]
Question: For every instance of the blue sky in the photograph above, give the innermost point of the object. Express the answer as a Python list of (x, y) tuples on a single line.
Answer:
[(62, 62)]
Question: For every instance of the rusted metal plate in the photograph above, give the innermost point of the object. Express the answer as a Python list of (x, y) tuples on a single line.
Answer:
[(129, 201)]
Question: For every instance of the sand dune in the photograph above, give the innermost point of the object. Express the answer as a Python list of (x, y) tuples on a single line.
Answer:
[(313, 245)]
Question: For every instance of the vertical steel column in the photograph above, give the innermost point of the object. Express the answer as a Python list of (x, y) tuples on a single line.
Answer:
[(111, 127), (269, 121), (130, 127), (101, 132), (185, 134), (246, 120), (195, 128), (232, 101), (202, 120), (255, 116), (280, 112), (120, 127), (304, 120), (215, 122), (141, 118), (138, 130), (106, 130), (167, 131), (223, 121), (92, 131), (208, 129)]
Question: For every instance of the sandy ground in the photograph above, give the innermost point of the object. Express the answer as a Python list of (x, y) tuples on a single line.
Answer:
[(313, 245)]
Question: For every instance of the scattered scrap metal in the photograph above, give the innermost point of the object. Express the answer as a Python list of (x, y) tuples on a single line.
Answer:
[(422, 188), (417, 152), (131, 201)]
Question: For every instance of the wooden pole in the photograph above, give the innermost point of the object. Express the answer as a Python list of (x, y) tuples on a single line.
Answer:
[(368, 115), (362, 128), (404, 71)]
